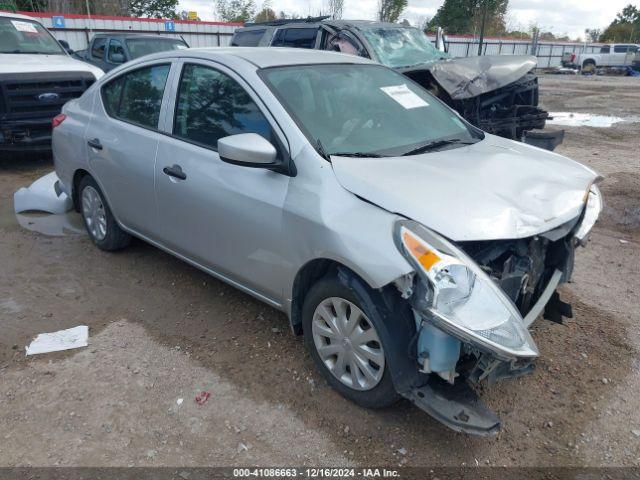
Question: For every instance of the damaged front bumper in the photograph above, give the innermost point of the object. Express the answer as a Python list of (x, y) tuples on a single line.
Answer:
[(453, 360), (26, 135)]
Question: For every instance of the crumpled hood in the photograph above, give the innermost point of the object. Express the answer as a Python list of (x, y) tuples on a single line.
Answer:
[(472, 76), (24, 63), (494, 189)]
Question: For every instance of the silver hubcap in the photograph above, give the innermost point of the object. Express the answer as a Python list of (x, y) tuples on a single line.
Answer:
[(348, 344), (93, 213)]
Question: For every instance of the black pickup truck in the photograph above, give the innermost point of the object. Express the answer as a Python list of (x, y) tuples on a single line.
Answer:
[(109, 50)]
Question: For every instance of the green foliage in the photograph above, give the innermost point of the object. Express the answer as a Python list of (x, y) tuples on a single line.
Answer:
[(593, 34), (390, 10), (154, 8), (265, 15), (625, 28), (465, 16), (235, 10), (24, 5), (8, 6), (335, 8)]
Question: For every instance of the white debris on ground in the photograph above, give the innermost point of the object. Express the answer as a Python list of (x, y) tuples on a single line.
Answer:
[(569, 119), (75, 337), (44, 195)]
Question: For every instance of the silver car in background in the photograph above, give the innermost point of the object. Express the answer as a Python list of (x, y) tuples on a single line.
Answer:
[(411, 249)]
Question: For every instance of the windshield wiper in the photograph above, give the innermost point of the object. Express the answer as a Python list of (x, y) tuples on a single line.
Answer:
[(320, 149), (358, 154), (434, 145)]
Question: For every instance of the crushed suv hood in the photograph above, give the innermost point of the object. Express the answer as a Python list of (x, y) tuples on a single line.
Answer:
[(494, 189), (29, 63), (469, 77)]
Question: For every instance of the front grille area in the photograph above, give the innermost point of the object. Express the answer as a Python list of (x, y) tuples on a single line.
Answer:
[(41, 95), (522, 268)]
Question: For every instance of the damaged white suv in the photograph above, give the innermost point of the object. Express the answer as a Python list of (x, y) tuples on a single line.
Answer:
[(411, 249)]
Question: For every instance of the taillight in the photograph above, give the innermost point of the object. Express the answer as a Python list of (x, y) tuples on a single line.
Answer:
[(573, 57), (57, 120)]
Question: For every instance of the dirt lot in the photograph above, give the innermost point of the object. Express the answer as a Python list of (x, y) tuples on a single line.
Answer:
[(161, 331)]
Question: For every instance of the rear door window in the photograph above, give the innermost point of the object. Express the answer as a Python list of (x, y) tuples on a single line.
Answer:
[(136, 97), (248, 38), (97, 50), (296, 37), (621, 48), (116, 54)]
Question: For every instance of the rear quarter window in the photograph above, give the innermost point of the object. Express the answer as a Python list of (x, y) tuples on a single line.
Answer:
[(136, 96), (248, 38), (296, 37)]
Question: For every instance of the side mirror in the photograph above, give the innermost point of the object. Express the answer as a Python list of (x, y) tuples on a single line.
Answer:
[(248, 150), (66, 46), (117, 58)]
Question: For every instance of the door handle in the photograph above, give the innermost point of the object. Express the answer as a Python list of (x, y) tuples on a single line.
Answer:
[(175, 171), (95, 143)]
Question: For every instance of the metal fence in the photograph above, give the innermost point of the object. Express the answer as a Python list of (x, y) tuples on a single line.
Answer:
[(79, 29), (549, 53)]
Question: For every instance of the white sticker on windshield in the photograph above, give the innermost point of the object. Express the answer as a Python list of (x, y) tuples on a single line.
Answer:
[(24, 26), (404, 96)]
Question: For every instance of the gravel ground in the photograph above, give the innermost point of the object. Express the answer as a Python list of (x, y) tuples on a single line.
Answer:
[(161, 331)]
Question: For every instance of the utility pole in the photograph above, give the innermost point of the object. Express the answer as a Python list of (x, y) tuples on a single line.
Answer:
[(482, 25)]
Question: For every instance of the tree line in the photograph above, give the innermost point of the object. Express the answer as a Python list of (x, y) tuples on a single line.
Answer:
[(488, 17)]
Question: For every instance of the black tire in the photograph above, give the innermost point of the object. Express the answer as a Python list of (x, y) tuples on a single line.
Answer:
[(588, 66), (384, 393), (115, 238)]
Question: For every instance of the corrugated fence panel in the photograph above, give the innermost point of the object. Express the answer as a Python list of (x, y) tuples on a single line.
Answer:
[(78, 30)]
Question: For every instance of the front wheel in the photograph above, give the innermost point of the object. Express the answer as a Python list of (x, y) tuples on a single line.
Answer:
[(98, 219), (345, 345)]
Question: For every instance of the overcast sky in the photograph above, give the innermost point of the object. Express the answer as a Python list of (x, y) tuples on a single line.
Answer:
[(572, 17)]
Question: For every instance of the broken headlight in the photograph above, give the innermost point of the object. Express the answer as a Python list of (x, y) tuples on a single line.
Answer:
[(592, 209), (461, 299)]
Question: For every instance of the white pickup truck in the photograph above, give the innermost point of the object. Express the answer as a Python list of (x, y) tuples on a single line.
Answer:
[(37, 77), (610, 55)]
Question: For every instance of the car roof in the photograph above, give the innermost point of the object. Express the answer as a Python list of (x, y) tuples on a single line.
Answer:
[(262, 57), (362, 24)]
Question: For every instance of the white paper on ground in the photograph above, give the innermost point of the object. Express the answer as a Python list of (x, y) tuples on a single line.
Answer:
[(75, 337), (404, 96)]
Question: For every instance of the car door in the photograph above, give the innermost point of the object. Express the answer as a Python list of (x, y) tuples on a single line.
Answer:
[(122, 140), (605, 57), (116, 54), (97, 52), (226, 218)]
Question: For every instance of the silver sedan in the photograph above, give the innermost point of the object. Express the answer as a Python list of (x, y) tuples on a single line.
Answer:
[(411, 249)]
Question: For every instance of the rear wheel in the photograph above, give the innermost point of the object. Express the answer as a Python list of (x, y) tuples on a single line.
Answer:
[(345, 345), (588, 66), (98, 219)]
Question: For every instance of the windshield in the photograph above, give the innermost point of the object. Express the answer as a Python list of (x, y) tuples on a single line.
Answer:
[(363, 109), (139, 47), (402, 46), (18, 35)]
